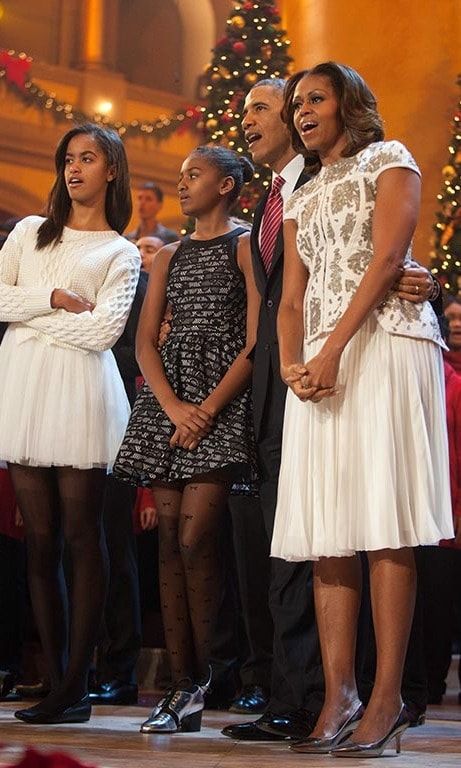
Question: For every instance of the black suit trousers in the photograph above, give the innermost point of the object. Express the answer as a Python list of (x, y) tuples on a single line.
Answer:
[(119, 648), (297, 675)]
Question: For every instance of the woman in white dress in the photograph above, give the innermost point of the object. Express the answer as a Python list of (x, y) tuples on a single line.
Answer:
[(364, 460), (66, 286)]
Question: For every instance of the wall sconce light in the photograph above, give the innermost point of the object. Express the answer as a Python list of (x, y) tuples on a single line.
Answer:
[(104, 107)]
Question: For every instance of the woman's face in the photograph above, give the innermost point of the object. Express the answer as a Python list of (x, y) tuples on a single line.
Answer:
[(201, 186), (316, 117), (86, 171)]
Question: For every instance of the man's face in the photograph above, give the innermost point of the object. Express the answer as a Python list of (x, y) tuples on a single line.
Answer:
[(453, 315), (267, 135), (148, 247), (148, 204)]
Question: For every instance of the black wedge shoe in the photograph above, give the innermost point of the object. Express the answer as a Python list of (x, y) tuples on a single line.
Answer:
[(79, 712), (320, 746), (350, 748)]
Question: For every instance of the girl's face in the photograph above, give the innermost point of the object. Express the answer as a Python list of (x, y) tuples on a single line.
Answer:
[(316, 117), (86, 172), (201, 186)]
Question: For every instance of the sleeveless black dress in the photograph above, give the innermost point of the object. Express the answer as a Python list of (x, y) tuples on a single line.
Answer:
[(206, 292)]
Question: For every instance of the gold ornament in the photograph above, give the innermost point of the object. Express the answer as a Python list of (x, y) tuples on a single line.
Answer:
[(211, 124), (238, 22), (250, 78), (448, 171), (215, 77)]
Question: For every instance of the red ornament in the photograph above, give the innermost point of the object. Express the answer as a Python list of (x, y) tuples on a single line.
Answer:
[(16, 68), (248, 6), (239, 48)]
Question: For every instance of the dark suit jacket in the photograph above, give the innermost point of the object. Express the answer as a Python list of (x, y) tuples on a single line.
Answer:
[(266, 361), (124, 349)]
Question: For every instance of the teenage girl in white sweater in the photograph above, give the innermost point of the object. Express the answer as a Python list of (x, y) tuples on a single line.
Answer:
[(66, 286)]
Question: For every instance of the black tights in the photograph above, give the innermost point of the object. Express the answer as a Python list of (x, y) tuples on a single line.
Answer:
[(190, 571), (64, 505)]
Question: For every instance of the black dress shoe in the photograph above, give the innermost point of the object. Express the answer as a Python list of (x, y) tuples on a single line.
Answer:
[(294, 725), (33, 691), (252, 700), (250, 732), (114, 692), (79, 712), (7, 682)]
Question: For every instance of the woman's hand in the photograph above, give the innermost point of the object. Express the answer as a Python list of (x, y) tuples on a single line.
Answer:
[(191, 421), (292, 373), (61, 298), (319, 379)]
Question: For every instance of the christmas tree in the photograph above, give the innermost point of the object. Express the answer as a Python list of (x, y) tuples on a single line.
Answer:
[(446, 254), (254, 48)]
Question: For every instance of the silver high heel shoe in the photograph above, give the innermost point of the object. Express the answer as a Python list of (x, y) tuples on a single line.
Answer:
[(316, 745), (351, 748), (179, 710)]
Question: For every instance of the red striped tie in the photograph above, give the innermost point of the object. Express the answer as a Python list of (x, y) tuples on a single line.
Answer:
[(271, 222)]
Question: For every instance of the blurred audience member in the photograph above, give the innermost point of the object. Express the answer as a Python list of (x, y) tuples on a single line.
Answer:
[(12, 588), (452, 314), (148, 247), (149, 201)]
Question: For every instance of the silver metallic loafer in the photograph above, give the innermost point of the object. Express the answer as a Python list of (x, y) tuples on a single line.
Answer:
[(179, 710)]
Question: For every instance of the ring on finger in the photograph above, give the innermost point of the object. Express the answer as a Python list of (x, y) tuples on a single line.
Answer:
[(417, 289)]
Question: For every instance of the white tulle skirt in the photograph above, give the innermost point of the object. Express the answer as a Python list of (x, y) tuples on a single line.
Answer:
[(58, 406), (368, 468)]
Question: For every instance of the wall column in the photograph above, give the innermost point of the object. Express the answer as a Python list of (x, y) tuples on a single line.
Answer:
[(409, 55)]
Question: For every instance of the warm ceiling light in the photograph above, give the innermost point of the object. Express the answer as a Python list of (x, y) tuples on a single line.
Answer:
[(104, 107)]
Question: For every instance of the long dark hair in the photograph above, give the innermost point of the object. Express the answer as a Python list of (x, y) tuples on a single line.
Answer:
[(229, 163), (360, 120), (118, 205)]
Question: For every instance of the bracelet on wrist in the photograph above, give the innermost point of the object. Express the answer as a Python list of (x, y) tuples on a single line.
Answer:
[(436, 288)]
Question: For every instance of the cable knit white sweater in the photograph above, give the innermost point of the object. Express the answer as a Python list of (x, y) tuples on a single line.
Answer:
[(103, 267)]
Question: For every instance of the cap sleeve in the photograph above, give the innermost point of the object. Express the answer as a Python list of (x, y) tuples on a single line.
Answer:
[(291, 206), (390, 154)]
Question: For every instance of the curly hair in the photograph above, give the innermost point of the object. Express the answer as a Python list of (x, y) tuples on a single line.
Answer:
[(358, 111)]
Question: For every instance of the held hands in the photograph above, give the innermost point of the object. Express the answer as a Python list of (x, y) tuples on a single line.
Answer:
[(192, 422), (61, 298), (316, 379)]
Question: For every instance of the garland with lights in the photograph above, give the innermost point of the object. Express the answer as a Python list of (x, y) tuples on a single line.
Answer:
[(446, 253), (254, 48), (14, 71)]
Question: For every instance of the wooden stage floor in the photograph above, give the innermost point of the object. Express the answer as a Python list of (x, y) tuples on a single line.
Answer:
[(111, 739)]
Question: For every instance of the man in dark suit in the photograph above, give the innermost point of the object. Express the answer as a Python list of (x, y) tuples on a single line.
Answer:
[(297, 678), (297, 685), (119, 648)]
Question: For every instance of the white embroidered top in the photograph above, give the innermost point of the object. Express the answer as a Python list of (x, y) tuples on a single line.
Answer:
[(103, 267), (334, 213)]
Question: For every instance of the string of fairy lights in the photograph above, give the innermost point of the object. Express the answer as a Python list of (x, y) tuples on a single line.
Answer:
[(14, 70), (445, 259)]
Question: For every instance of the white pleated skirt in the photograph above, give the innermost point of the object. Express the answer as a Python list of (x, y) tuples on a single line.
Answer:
[(367, 469), (59, 406)]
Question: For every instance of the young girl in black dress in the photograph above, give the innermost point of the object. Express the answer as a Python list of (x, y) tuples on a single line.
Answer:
[(189, 435)]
